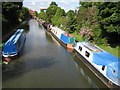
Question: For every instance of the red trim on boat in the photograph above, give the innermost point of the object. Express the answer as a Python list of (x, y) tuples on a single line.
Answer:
[(8, 59)]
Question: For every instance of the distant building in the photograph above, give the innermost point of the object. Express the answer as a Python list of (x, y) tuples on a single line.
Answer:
[(33, 13), (43, 10)]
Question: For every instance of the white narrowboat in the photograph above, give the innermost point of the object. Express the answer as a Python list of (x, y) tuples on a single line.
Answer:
[(103, 64)]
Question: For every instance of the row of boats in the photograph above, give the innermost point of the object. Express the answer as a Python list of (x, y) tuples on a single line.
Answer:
[(103, 64)]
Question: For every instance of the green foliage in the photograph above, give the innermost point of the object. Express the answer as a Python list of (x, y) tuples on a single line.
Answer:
[(43, 16), (10, 15), (63, 21), (51, 12), (99, 18), (59, 13), (77, 36), (86, 4), (72, 24), (103, 18), (36, 13), (109, 17), (53, 3), (11, 10), (24, 15), (70, 14)]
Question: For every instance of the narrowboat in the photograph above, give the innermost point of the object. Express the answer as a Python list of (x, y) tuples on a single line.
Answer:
[(46, 25), (63, 37), (103, 64), (14, 45)]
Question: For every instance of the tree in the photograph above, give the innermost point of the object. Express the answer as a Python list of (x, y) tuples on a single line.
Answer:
[(70, 14), (51, 12), (36, 13), (53, 3), (63, 21), (25, 15), (72, 24), (10, 15), (59, 13), (109, 17), (11, 10), (87, 22), (43, 16)]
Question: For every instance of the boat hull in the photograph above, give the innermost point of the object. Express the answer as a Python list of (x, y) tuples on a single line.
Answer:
[(60, 41), (107, 82), (9, 58)]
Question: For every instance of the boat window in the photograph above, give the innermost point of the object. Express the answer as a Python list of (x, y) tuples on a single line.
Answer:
[(103, 68), (87, 54), (80, 48)]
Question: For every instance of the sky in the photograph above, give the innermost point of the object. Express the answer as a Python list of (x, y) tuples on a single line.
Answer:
[(36, 5)]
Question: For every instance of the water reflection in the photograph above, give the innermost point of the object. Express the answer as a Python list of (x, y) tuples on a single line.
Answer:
[(48, 37), (17, 68), (87, 74)]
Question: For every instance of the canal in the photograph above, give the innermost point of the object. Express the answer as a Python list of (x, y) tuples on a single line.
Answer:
[(44, 63)]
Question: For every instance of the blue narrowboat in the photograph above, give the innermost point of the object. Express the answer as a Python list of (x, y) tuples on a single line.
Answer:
[(13, 46)]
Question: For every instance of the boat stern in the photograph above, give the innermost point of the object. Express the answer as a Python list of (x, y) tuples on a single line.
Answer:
[(8, 57), (113, 73)]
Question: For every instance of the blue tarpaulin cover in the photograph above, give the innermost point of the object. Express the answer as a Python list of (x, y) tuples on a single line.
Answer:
[(64, 38), (116, 67), (67, 40), (112, 62), (113, 72), (104, 58)]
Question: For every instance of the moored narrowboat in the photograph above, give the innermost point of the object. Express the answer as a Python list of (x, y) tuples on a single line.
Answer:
[(46, 25), (63, 37), (14, 45), (103, 64)]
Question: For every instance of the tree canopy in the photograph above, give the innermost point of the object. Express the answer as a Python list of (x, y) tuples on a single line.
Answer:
[(94, 21), (51, 12), (12, 14), (53, 3)]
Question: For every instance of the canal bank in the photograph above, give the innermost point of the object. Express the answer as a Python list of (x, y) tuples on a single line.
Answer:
[(44, 63)]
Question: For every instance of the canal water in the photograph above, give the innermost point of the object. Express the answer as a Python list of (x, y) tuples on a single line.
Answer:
[(44, 63)]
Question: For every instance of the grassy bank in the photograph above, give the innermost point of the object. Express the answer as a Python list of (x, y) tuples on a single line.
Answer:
[(111, 50), (77, 37)]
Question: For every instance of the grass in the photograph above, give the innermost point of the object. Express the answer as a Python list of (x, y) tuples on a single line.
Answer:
[(111, 50), (77, 37), (1, 44)]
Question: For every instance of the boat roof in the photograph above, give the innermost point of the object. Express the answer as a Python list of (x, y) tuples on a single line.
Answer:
[(58, 29), (67, 39), (104, 58), (13, 39), (90, 46)]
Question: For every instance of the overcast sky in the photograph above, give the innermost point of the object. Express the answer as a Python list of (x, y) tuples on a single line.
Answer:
[(39, 4)]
